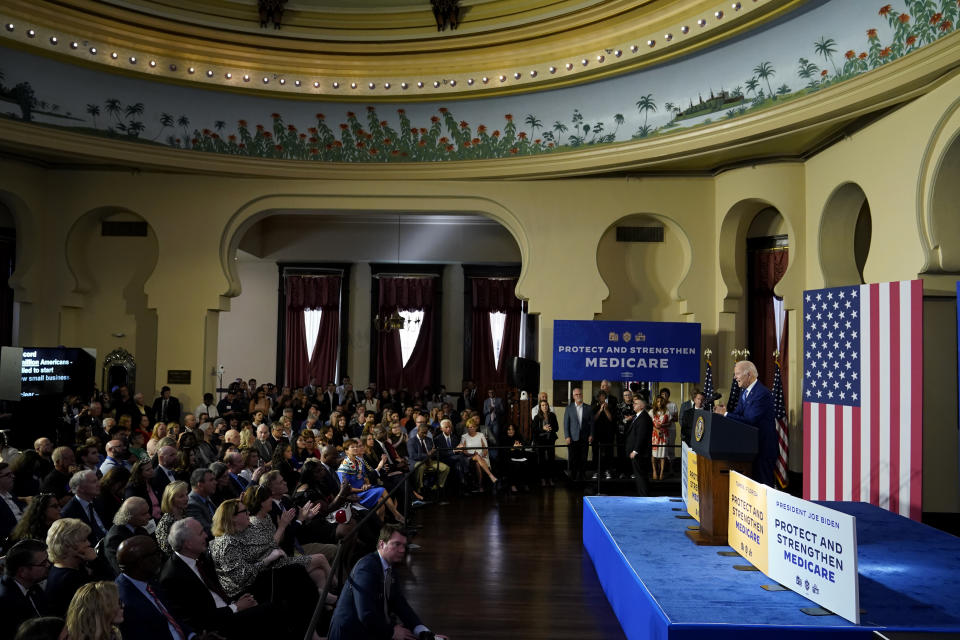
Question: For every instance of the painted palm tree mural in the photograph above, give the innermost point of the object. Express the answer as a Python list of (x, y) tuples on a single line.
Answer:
[(389, 134)]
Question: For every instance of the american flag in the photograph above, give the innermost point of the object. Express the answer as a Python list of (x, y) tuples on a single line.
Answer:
[(708, 386), (862, 439), (783, 432)]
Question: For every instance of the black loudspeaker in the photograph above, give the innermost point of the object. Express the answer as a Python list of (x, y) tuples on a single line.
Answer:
[(524, 374)]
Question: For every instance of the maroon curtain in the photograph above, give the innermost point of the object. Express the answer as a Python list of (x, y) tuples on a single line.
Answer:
[(311, 292), (493, 295), (406, 294), (766, 267)]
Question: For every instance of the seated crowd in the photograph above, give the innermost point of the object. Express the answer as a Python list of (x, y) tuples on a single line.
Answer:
[(144, 521)]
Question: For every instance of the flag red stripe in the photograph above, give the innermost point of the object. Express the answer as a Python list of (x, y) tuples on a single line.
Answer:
[(838, 428), (892, 393), (916, 430), (822, 439), (875, 396), (855, 454), (807, 453)]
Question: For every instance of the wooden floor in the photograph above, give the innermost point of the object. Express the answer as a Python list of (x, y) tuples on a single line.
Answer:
[(511, 567)]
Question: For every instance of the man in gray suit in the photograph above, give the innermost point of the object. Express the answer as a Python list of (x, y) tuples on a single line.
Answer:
[(578, 425), (199, 506)]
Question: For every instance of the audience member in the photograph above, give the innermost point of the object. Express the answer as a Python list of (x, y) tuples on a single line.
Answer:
[(42, 512), (86, 504), (141, 486), (68, 546), (474, 445), (21, 596), (95, 612), (11, 507), (57, 481), (199, 504), (131, 520), (173, 504), (146, 614)]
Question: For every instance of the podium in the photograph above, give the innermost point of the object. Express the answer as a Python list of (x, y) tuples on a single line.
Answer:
[(722, 445)]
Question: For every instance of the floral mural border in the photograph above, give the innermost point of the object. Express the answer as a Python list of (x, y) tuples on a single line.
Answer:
[(370, 137)]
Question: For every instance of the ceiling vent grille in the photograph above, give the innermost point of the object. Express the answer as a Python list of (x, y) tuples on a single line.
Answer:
[(640, 234), (126, 228)]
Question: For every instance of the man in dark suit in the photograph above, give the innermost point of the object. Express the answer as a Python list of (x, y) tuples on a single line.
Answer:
[(146, 615), (21, 597), (578, 427), (166, 459), (85, 504), (166, 408), (638, 443), (755, 407), (421, 449), (203, 485), (195, 596), (132, 516), (371, 596), (11, 507)]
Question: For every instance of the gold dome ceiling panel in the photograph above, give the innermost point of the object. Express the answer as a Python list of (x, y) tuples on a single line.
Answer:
[(388, 49)]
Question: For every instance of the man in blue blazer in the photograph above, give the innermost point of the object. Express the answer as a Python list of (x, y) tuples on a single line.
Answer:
[(578, 426), (755, 407), (371, 598)]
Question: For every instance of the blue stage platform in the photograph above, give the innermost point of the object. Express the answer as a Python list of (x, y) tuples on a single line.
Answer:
[(662, 586)]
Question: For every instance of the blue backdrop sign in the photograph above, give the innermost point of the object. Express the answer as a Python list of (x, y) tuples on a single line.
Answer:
[(641, 351)]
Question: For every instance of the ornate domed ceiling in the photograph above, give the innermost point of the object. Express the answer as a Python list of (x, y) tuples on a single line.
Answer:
[(383, 49), (586, 87)]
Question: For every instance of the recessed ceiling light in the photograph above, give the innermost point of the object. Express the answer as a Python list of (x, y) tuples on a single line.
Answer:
[(484, 79), (436, 84), (228, 75), (316, 85), (297, 82), (684, 29), (114, 55), (386, 85), (74, 44), (702, 22), (533, 73), (601, 58), (246, 78), (718, 15), (31, 33), (470, 81), (569, 66), (152, 63), (651, 43), (668, 37), (93, 50), (420, 84), (404, 85), (633, 48), (453, 83), (336, 85), (266, 80), (209, 73), (552, 69), (190, 70), (133, 60), (11, 26), (618, 53), (283, 81), (53, 40), (503, 78), (372, 85), (353, 85), (584, 62), (735, 6)]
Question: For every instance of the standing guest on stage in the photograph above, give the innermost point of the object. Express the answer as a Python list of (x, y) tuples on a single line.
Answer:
[(638, 443), (372, 597), (604, 417), (755, 407), (578, 427), (659, 439), (687, 412)]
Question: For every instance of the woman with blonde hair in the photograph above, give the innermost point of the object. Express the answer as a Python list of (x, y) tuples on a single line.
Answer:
[(68, 547), (95, 612), (173, 506), (474, 444)]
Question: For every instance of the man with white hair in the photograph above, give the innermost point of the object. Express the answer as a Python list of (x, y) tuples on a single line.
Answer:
[(755, 407), (263, 444), (195, 596), (85, 504), (131, 519)]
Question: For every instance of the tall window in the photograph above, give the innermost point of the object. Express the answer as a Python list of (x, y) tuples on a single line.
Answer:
[(311, 323), (779, 317), (497, 322), (410, 333)]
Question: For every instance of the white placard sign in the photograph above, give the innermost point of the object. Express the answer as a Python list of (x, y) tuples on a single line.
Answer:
[(813, 551)]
